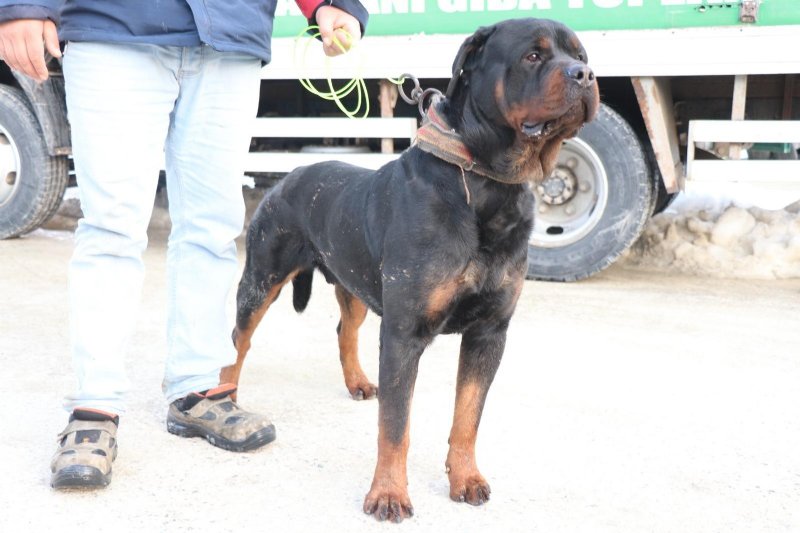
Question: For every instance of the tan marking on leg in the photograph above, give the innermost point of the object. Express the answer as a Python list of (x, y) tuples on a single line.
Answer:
[(388, 498), (353, 312), (466, 482), (242, 337)]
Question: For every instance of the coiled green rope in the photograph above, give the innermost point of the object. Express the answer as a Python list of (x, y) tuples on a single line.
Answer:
[(334, 94)]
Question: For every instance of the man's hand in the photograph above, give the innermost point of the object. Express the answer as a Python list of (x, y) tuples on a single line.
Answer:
[(23, 42), (337, 25)]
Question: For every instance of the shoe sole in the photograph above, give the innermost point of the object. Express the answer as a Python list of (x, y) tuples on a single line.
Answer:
[(79, 477), (258, 439)]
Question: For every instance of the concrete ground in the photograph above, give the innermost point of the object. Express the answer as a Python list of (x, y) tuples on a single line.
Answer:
[(634, 401)]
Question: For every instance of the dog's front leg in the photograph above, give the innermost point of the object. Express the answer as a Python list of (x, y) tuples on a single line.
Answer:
[(481, 350), (399, 359)]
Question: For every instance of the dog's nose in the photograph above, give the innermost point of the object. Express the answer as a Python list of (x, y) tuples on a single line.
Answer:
[(581, 73)]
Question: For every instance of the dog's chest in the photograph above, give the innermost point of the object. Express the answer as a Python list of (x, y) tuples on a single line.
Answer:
[(482, 294), (488, 287)]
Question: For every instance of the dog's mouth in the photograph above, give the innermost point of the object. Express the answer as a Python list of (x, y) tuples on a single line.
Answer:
[(537, 130), (565, 124)]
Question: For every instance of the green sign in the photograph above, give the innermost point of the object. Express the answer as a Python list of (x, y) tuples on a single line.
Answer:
[(407, 17)]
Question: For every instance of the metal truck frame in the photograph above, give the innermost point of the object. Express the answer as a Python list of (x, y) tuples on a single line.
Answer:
[(692, 90)]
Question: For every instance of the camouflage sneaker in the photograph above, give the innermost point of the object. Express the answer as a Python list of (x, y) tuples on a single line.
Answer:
[(213, 415), (86, 449)]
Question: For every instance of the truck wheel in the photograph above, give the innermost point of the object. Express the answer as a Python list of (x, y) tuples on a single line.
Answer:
[(663, 199), (32, 182), (595, 203)]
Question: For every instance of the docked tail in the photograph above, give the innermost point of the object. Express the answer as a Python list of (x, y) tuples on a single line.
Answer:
[(302, 290)]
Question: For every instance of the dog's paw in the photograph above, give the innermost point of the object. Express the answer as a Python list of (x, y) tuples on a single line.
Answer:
[(471, 488), (388, 504), (363, 390)]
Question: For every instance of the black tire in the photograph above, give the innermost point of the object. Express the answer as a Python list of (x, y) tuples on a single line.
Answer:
[(32, 182), (594, 205), (663, 198)]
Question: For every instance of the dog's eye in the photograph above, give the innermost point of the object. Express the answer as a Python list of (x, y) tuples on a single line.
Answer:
[(533, 57), (582, 58)]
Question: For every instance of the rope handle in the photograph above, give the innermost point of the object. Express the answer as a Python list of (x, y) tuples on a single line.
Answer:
[(333, 94), (418, 95)]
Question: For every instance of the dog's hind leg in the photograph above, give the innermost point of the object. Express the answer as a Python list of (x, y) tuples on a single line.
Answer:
[(353, 313), (256, 292)]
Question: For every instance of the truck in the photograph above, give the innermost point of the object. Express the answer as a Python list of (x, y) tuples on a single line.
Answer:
[(692, 91)]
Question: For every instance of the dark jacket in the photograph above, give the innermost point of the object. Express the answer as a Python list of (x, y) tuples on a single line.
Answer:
[(226, 25)]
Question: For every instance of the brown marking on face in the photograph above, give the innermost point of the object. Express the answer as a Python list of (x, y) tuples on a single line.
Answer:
[(558, 105), (500, 96), (525, 156), (525, 161), (591, 102), (353, 312), (544, 43), (536, 109), (536, 158), (549, 105), (549, 156), (242, 337)]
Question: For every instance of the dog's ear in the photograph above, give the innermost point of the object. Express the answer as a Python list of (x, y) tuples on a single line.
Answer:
[(466, 54)]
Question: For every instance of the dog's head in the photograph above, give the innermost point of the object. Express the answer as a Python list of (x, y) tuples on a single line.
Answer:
[(519, 88)]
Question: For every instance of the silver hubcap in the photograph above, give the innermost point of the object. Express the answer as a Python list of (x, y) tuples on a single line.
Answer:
[(571, 201), (9, 167)]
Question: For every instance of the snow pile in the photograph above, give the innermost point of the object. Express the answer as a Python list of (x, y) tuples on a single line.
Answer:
[(727, 242)]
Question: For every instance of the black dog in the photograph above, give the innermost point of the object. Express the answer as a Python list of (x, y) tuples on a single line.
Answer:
[(435, 242)]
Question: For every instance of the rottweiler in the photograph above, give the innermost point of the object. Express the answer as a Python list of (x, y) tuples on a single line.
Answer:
[(435, 242)]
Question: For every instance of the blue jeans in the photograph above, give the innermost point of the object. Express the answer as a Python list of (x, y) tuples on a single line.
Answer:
[(132, 108)]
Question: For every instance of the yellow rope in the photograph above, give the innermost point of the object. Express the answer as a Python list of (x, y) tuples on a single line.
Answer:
[(333, 94)]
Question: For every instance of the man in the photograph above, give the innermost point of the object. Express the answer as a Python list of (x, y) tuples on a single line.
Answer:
[(174, 81)]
